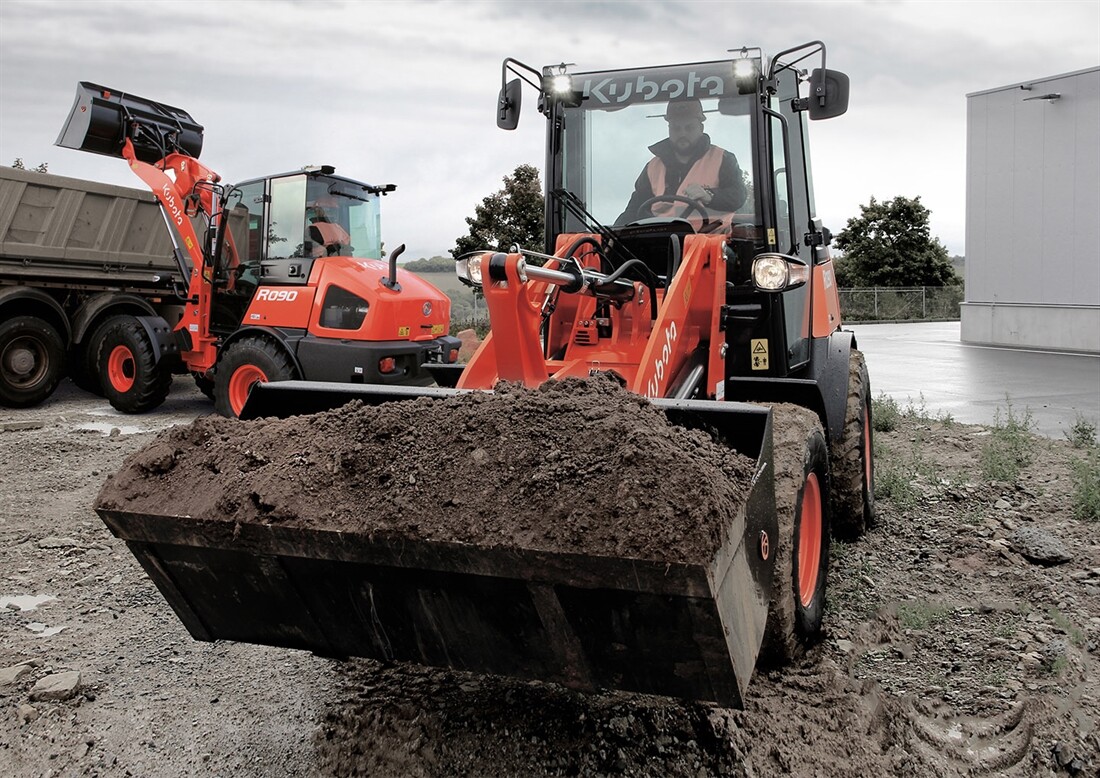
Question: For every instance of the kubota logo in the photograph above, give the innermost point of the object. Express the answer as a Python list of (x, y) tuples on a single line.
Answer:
[(660, 366), (170, 201), (277, 295), (642, 89)]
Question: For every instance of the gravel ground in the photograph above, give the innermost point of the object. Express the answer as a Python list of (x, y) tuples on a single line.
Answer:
[(961, 639)]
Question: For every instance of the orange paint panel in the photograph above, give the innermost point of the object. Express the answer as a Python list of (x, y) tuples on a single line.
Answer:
[(826, 301), (280, 306)]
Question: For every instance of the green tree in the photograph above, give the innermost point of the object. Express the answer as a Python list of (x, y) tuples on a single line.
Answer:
[(434, 264), (512, 215), (43, 167), (890, 244)]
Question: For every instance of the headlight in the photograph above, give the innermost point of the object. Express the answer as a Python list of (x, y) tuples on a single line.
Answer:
[(777, 272), (561, 84), (468, 268)]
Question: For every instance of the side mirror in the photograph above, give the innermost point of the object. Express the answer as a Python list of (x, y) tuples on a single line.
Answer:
[(508, 104), (828, 93)]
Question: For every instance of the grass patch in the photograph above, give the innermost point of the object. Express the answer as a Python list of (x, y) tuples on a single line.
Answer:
[(1086, 486), (1059, 619), (1082, 434), (922, 615), (887, 413), (1010, 446)]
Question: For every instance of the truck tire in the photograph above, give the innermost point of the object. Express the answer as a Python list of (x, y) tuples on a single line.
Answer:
[(245, 363), (853, 464), (132, 379), (83, 369), (802, 548), (32, 361)]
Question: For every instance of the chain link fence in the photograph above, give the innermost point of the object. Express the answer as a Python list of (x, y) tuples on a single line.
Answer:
[(901, 303), (927, 303)]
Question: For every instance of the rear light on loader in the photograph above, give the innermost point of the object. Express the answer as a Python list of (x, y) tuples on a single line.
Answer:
[(387, 365), (452, 356), (778, 272)]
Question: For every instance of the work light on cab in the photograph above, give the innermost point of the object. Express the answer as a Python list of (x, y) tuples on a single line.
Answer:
[(777, 272)]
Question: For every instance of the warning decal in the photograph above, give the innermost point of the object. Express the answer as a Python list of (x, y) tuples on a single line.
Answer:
[(759, 347)]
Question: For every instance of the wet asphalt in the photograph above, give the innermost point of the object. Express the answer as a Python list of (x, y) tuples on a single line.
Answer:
[(927, 365)]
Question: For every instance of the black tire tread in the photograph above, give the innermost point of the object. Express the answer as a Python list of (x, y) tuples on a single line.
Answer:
[(788, 630), (253, 349), (853, 505), (52, 340), (152, 381)]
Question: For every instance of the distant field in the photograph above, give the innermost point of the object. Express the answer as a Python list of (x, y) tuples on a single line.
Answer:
[(462, 297)]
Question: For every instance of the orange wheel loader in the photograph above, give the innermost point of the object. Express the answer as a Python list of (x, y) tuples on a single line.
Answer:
[(276, 278), (728, 320)]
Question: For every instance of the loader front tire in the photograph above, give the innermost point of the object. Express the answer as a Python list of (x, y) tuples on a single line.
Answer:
[(32, 361), (853, 465), (133, 380), (246, 363), (802, 554)]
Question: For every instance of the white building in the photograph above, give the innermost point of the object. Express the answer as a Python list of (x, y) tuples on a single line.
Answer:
[(1033, 214)]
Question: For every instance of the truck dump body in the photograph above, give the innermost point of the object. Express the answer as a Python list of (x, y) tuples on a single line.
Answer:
[(53, 227), (666, 596)]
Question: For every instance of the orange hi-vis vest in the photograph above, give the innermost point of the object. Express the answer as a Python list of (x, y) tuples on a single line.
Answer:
[(704, 173)]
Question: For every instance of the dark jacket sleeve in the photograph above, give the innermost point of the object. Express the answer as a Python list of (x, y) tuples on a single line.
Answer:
[(642, 192), (731, 191)]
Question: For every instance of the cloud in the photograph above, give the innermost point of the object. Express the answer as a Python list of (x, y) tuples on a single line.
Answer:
[(404, 92)]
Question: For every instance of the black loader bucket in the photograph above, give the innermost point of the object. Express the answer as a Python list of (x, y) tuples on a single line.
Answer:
[(102, 119), (585, 621)]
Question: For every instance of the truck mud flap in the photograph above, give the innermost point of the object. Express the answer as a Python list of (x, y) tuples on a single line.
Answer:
[(587, 622)]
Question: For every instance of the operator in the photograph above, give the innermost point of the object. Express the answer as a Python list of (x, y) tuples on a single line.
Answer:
[(688, 165), (329, 236)]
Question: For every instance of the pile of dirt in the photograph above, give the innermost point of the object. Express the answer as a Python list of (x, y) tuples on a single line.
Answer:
[(571, 465)]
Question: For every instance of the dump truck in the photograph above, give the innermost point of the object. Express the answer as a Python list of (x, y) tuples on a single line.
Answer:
[(272, 278), (722, 313)]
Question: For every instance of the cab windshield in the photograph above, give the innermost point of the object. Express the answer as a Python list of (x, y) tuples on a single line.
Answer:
[(316, 216), (679, 133)]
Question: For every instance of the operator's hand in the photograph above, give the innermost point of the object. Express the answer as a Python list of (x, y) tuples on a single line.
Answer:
[(697, 192)]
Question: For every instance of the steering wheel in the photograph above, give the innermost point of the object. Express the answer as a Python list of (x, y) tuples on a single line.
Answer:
[(693, 205)]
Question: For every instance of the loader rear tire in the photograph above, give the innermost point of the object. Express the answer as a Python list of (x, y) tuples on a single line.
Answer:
[(133, 380), (853, 465), (32, 361), (247, 362), (802, 551)]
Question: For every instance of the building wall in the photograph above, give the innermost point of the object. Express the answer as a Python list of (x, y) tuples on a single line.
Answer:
[(1033, 215)]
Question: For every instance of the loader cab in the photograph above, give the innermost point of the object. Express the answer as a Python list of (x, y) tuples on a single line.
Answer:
[(609, 146), (282, 225)]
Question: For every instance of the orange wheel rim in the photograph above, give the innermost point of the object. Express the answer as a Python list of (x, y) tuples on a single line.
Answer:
[(120, 369), (241, 383), (809, 541)]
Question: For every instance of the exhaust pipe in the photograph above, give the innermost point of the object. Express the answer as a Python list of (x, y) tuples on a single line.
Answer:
[(102, 119), (390, 281)]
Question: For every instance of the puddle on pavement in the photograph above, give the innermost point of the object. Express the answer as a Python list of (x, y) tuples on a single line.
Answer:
[(25, 602), (40, 629)]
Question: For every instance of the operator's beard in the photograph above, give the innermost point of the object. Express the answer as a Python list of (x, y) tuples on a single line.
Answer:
[(694, 149)]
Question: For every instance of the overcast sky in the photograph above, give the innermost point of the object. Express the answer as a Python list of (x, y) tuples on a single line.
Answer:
[(405, 92)]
